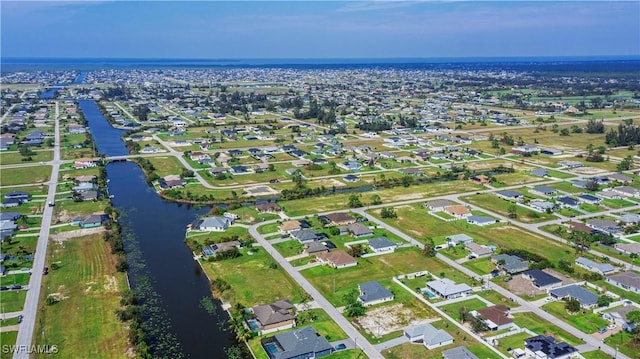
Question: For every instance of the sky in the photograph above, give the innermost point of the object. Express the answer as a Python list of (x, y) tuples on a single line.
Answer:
[(318, 29)]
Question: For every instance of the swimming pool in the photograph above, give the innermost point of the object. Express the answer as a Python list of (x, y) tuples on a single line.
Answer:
[(428, 294)]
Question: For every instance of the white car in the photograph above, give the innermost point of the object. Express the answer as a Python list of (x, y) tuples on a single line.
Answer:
[(611, 326), (548, 299)]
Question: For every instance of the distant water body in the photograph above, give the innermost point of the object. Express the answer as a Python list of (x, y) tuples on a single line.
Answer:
[(16, 63)]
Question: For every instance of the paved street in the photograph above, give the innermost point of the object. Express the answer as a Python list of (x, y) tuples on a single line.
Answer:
[(25, 334)]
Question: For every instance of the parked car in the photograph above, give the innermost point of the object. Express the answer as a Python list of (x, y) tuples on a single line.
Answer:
[(20, 318), (602, 330), (611, 326), (274, 180), (16, 286), (45, 271), (51, 204), (4, 288), (341, 346)]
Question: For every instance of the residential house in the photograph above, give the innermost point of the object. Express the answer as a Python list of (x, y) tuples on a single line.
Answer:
[(239, 170), (269, 207), (350, 165), (609, 194), (339, 219), (586, 298), (605, 226), (619, 177), (458, 353), (438, 205), (480, 179), (18, 195), (11, 202), (619, 316), (628, 248), (10, 216), (627, 191), (382, 245), (90, 221), (211, 224), (458, 211), (510, 195), (629, 281), (544, 191), (570, 164), (275, 316), (359, 230), (629, 218), (411, 171), (581, 227), (477, 250), (299, 343), (304, 235), (448, 289), (541, 279), (458, 238), (430, 336), (315, 247), (550, 151), (170, 182), (546, 347), (81, 163), (351, 178), (496, 317), (509, 263), (337, 259), (600, 268), (214, 249), (372, 293), (290, 226), (539, 172), (481, 220), (590, 199), (88, 196), (568, 202), (541, 206)]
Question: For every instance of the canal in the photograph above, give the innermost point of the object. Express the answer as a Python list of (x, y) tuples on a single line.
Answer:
[(174, 289)]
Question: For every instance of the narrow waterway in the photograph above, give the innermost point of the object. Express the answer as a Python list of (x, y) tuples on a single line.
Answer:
[(162, 267)]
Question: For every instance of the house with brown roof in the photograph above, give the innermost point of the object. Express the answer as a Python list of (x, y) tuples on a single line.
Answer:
[(339, 219), (480, 179), (290, 226), (337, 259), (197, 156), (315, 247), (275, 316), (81, 163), (628, 248), (458, 211), (496, 317), (270, 207)]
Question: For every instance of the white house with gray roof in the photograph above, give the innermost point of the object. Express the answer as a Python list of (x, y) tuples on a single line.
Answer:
[(212, 224), (431, 337), (382, 245), (448, 289), (586, 298), (600, 268)]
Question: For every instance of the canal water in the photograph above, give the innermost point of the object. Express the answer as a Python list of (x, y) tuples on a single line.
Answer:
[(161, 265)]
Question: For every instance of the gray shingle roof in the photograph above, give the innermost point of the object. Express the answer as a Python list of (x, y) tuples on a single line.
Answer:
[(372, 291), (299, 342), (585, 297)]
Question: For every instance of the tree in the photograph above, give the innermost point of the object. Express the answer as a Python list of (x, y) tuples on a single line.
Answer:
[(513, 211), (591, 185), (356, 250), (354, 307), (354, 201), (634, 318), (388, 212), (572, 305), (625, 164), (375, 200), (564, 132), (429, 249), (604, 301)]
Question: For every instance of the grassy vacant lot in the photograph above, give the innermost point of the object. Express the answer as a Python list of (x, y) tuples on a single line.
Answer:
[(289, 248), (12, 301), (89, 289), (595, 354), (16, 158), (195, 239), (494, 297), (541, 326), (584, 320), (247, 276), (453, 309), (25, 175), (501, 206), (378, 268), (624, 341), (7, 338), (512, 342), (11, 279), (166, 165), (480, 265)]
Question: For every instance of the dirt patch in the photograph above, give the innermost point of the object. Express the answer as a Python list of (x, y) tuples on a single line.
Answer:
[(523, 287), (565, 279), (63, 236), (405, 197), (385, 320), (110, 283)]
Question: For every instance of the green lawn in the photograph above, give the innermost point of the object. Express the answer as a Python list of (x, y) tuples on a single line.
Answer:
[(89, 290), (480, 265), (453, 309), (25, 175), (624, 341), (269, 228), (494, 297), (196, 239), (595, 354), (541, 326), (11, 279), (7, 338), (12, 301), (16, 158), (512, 342), (584, 320), (247, 275), (166, 165), (501, 206), (289, 248)]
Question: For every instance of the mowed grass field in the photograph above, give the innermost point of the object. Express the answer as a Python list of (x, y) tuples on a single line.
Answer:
[(25, 175), (252, 280), (83, 322)]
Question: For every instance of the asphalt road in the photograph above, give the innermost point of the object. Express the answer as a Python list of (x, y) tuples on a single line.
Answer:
[(25, 334), (337, 317)]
